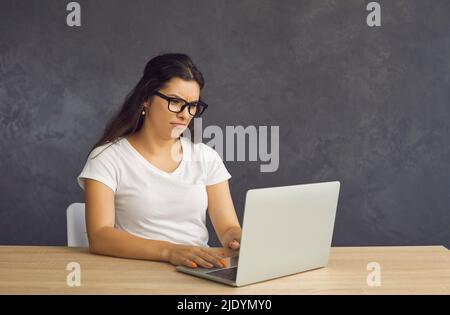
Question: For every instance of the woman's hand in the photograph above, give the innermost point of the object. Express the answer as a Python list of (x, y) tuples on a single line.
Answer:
[(194, 256), (232, 238)]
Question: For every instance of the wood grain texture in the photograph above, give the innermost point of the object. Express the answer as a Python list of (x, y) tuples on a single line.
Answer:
[(42, 270)]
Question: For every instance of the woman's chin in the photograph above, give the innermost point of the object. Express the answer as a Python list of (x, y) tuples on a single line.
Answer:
[(176, 132)]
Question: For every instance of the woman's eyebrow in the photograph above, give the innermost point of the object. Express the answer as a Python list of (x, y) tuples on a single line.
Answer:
[(172, 94)]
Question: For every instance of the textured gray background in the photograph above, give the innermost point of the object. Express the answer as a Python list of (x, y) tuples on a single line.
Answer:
[(366, 106)]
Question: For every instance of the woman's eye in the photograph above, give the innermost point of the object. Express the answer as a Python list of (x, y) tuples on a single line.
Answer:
[(176, 102)]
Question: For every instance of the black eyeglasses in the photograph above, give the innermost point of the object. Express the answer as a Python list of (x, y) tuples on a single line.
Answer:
[(177, 105)]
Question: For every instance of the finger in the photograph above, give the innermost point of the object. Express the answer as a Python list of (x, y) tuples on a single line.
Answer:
[(217, 251), (189, 263), (234, 244), (218, 254), (201, 262), (213, 258)]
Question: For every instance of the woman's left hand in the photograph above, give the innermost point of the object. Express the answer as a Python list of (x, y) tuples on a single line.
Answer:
[(232, 238)]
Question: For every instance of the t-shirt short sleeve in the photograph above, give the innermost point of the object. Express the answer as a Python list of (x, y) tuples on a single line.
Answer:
[(216, 171), (101, 167)]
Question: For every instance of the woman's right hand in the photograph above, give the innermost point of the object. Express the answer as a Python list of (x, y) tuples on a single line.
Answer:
[(194, 256)]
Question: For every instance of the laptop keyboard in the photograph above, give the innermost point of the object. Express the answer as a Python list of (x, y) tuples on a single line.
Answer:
[(229, 274)]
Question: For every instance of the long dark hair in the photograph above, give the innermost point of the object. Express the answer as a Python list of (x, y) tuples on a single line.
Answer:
[(157, 72)]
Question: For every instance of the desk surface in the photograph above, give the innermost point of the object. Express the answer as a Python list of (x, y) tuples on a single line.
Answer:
[(404, 270)]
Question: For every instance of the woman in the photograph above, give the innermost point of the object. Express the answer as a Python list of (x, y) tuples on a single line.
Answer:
[(147, 187)]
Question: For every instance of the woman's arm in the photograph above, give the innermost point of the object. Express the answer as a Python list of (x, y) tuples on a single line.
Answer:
[(105, 239), (223, 215)]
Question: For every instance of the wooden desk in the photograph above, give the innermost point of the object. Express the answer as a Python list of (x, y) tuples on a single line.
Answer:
[(404, 270)]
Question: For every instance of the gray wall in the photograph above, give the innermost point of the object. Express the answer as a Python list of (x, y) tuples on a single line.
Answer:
[(366, 106)]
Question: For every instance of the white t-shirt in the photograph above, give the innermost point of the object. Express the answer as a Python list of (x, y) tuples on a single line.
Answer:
[(154, 204)]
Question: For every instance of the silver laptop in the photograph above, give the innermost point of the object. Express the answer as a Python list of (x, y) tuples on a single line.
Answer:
[(285, 230)]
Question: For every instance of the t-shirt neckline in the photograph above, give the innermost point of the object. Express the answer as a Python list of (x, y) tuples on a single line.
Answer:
[(153, 167)]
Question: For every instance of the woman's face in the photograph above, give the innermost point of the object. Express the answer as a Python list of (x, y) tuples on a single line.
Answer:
[(160, 118)]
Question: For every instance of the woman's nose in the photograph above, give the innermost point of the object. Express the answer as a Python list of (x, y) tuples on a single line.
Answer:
[(184, 113)]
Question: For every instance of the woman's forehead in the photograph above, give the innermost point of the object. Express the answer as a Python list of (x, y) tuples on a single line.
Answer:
[(187, 90)]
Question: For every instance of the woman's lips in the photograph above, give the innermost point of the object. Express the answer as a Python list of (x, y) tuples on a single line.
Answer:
[(178, 125)]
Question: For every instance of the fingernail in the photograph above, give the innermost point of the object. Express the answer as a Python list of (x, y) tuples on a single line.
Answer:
[(194, 265), (222, 261)]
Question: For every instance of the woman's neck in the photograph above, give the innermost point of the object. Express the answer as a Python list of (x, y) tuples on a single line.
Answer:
[(149, 141)]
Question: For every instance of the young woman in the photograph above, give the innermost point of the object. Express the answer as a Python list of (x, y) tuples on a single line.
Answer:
[(147, 187)]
